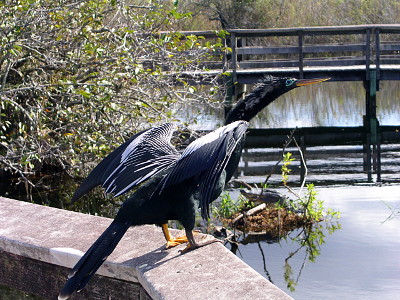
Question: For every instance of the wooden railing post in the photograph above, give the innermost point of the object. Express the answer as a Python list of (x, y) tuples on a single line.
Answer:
[(377, 56), (378, 169), (371, 125), (367, 53), (301, 58), (302, 159), (234, 57)]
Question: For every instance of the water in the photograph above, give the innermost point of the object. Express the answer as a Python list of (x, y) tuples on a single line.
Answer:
[(359, 261), (325, 104)]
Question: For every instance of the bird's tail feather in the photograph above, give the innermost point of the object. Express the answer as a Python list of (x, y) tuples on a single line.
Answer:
[(93, 258)]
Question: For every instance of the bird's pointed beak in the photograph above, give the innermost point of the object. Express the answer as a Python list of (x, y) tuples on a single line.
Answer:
[(302, 82)]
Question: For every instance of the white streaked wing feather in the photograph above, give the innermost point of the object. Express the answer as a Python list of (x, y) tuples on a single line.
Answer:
[(138, 161)]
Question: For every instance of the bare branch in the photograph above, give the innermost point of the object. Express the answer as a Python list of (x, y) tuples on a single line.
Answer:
[(22, 174), (285, 145)]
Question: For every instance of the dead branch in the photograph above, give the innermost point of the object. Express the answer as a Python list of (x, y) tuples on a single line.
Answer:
[(304, 164), (250, 212)]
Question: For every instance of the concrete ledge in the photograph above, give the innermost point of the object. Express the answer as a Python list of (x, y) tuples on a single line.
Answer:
[(43, 279), (54, 238)]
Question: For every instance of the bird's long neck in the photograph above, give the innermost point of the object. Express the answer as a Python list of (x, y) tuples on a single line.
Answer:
[(252, 104), (245, 110)]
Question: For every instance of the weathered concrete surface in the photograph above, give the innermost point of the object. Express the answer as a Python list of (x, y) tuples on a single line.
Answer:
[(60, 237), (42, 279)]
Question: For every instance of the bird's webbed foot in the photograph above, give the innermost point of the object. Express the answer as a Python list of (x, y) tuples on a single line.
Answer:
[(171, 241), (176, 241), (192, 244)]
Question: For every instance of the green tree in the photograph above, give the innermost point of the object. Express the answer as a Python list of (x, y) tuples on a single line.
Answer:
[(78, 77), (285, 13)]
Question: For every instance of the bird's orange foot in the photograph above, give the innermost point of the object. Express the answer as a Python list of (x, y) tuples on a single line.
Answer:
[(176, 241), (172, 242)]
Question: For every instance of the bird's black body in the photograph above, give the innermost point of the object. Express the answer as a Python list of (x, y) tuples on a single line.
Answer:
[(171, 185)]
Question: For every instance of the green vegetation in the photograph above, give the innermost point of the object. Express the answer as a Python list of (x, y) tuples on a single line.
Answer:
[(79, 77), (304, 221), (287, 160), (309, 204), (285, 13), (227, 206), (304, 209)]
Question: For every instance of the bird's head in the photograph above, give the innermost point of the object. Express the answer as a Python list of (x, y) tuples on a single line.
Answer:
[(267, 90), (282, 85)]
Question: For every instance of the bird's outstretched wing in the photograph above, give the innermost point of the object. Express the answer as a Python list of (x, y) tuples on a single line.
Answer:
[(205, 159), (142, 156)]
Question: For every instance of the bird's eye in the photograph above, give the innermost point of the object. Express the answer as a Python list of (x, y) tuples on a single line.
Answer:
[(289, 82)]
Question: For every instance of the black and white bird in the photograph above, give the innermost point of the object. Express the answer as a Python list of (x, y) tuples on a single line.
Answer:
[(170, 185)]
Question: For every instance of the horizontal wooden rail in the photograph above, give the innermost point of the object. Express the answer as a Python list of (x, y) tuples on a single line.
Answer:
[(323, 30), (319, 136), (306, 49)]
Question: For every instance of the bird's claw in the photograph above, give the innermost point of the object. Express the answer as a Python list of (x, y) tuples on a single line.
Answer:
[(192, 246)]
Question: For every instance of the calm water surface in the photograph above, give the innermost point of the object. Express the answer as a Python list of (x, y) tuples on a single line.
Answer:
[(359, 261), (325, 104)]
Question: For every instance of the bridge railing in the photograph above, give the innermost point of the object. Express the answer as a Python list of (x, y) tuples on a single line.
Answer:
[(362, 47)]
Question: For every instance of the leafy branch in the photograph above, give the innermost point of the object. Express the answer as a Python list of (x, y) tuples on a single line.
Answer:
[(79, 78)]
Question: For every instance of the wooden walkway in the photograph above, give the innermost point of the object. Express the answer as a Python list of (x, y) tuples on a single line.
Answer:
[(336, 73), (340, 52)]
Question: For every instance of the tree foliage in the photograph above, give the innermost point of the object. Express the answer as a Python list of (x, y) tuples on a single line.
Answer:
[(78, 77), (287, 13)]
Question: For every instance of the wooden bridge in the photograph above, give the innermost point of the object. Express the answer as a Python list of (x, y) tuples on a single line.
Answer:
[(367, 53), (345, 53)]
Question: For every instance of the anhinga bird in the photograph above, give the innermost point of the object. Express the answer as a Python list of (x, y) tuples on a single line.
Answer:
[(170, 183)]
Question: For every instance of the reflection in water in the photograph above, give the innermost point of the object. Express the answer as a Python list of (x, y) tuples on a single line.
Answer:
[(331, 104), (307, 240), (359, 261), (328, 104)]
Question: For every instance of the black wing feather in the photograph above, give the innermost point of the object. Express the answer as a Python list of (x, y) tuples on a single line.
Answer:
[(206, 159), (147, 155), (132, 175), (211, 179), (95, 177), (142, 156)]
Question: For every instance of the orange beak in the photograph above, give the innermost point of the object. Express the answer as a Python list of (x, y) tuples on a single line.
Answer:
[(303, 82)]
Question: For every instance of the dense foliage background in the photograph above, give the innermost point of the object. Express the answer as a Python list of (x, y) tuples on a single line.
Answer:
[(288, 13), (79, 77)]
